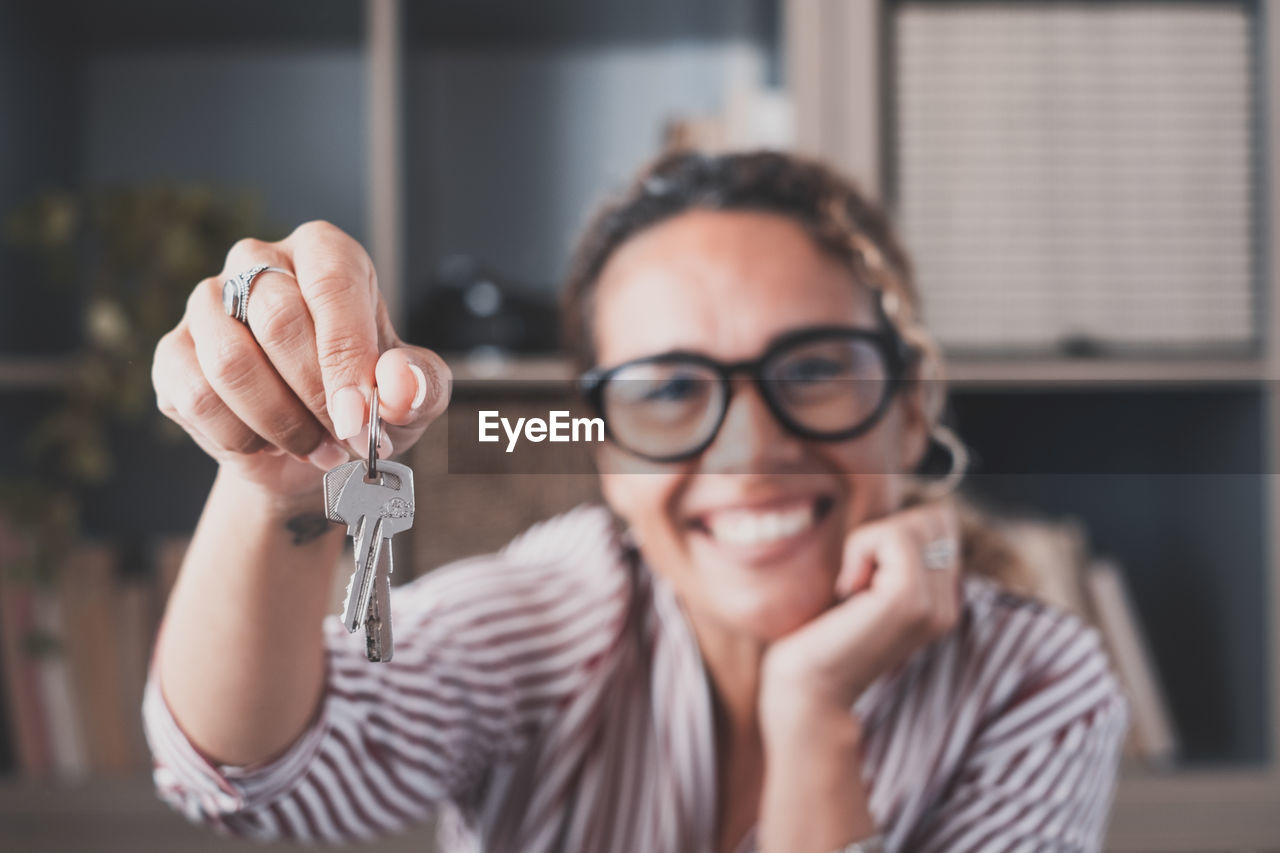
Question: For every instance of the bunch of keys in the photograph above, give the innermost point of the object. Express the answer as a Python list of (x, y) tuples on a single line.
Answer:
[(375, 500)]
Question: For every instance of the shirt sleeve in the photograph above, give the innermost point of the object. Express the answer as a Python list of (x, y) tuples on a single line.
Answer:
[(486, 651), (1041, 771)]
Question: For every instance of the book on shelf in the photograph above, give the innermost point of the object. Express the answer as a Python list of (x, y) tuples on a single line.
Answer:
[(74, 657), (1151, 723), (28, 721), (90, 596), (1054, 553), (68, 749)]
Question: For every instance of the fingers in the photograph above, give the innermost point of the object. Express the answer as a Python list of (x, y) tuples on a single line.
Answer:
[(888, 555), (184, 396), (304, 366), (859, 563), (237, 371), (337, 283), (413, 385), (282, 328), (943, 525)]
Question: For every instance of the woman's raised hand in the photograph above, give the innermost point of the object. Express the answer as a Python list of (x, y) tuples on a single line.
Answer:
[(891, 603), (286, 397)]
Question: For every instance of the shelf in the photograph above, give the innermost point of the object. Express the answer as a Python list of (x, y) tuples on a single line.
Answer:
[(1099, 371), (1193, 810), (19, 373), (508, 370), (1229, 810), (124, 815)]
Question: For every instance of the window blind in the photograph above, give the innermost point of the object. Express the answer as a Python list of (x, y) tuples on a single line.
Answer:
[(1078, 172)]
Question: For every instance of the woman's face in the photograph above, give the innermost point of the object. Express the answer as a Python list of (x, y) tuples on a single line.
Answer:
[(750, 533)]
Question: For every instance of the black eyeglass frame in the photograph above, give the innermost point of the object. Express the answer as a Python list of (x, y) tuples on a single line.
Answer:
[(899, 357)]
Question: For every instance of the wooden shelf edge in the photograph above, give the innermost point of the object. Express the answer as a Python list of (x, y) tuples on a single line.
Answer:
[(512, 370), (1096, 371), (1260, 783), (1195, 810), (21, 372)]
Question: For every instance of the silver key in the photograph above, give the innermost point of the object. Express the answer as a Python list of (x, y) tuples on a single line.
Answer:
[(374, 511), (335, 482), (377, 620), (374, 508)]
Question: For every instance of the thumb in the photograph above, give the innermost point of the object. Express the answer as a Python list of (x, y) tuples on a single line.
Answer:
[(413, 386)]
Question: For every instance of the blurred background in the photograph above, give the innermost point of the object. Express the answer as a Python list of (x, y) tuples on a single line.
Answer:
[(1087, 189)]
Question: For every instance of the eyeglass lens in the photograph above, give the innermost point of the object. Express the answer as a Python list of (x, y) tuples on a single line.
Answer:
[(825, 387)]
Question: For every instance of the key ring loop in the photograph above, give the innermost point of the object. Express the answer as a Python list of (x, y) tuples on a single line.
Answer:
[(375, 428)]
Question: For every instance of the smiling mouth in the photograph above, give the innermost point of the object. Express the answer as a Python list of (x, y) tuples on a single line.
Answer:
[(752, 527)]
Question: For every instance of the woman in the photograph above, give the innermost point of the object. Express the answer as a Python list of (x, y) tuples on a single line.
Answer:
[(781, 650)]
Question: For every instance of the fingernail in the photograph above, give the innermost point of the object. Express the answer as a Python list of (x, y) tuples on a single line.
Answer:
[(328, 455), (359, 448), (346, 408), (421, 393)]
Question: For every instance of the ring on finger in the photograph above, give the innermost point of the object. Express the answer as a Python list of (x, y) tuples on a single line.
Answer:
[(235, 290), (940, 554)]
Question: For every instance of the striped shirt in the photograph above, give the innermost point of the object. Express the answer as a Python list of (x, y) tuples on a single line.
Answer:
[(552, 697)]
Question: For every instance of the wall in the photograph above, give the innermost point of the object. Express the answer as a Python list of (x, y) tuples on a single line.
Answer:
[(509, 148), (287, 122)]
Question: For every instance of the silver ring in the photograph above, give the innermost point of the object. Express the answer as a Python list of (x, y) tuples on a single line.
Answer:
[(940, 554), (235, 291)]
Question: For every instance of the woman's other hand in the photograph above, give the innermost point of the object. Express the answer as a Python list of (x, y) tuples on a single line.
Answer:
[(288, 395), (890, 605)]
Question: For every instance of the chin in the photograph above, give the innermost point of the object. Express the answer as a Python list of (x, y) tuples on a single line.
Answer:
[(767, 612)]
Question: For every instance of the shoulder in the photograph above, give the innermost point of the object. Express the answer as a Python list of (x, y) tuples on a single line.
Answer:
[(1031, 667), (581, 543), (1016, 701), (547, 581), (1011, 663), (1003, 630)]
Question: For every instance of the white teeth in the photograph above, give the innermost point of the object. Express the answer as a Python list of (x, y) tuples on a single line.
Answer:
[(751, 527)]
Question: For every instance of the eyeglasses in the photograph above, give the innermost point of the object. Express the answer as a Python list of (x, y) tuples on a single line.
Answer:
[(826, 383)]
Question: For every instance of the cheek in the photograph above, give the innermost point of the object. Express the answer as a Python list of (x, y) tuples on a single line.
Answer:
[(873, 467), (641, 493)]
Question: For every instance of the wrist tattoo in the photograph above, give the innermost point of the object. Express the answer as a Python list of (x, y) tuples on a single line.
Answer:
[(308, 527)]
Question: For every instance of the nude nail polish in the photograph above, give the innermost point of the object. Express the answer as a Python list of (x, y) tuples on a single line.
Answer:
[(346, 409)]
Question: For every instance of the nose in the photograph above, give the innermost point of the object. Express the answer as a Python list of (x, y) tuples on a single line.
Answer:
[(750, 439)]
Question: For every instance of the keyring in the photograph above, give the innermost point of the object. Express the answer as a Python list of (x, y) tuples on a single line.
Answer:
[(375, 429)]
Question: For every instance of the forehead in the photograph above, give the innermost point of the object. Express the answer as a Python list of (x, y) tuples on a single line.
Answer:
[(720, 282)]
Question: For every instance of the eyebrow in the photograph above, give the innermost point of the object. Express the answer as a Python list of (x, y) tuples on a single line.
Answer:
[(770, 344)]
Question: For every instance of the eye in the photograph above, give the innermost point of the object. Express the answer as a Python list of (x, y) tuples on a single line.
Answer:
[(672, 390), (658, 385), (813, 368)]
